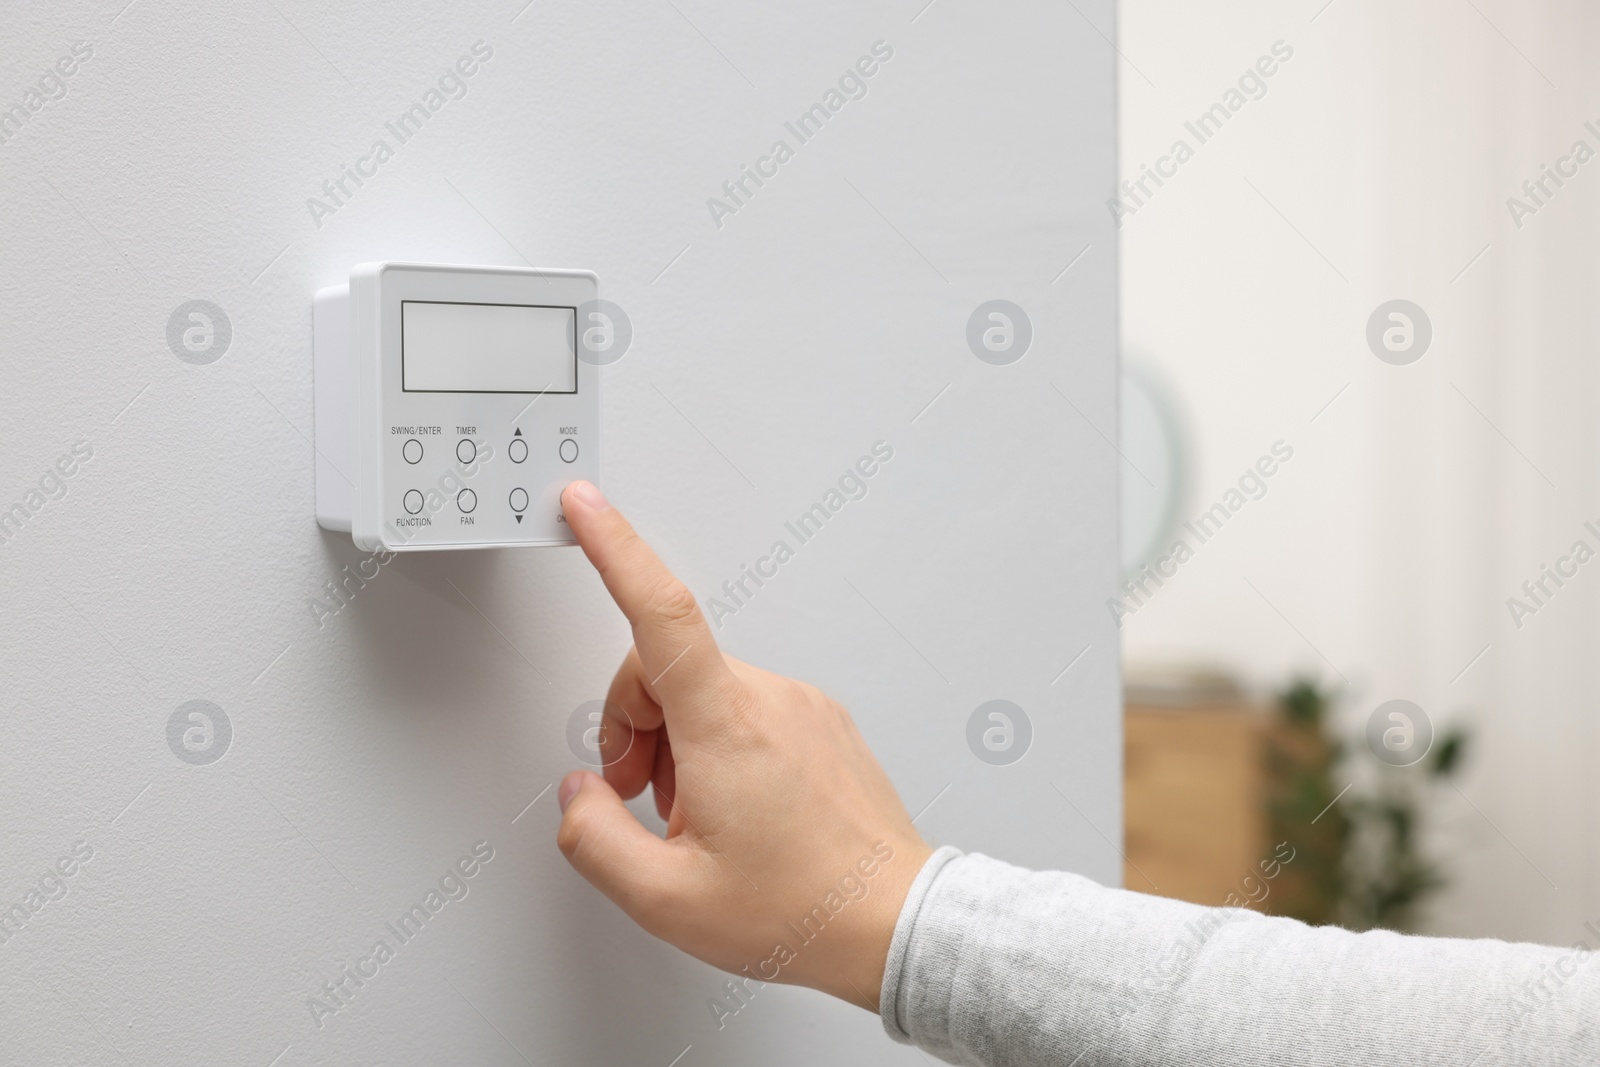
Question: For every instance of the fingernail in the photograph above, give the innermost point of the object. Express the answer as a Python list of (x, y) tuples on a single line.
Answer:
[(590, 496), (569, 787)]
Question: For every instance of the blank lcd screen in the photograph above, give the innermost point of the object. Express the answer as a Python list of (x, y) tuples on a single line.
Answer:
[(487, 348)]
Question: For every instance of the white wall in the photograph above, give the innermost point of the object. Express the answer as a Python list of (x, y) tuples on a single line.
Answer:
[(372, 750), (1423, 497)]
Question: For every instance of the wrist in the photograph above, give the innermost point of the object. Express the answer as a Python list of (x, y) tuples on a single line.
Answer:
[(857, 974)]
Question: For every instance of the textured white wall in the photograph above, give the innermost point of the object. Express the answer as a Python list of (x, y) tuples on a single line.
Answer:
[(372, 749)]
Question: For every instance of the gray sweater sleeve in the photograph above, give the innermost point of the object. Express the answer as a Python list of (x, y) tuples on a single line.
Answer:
[(995, 965)]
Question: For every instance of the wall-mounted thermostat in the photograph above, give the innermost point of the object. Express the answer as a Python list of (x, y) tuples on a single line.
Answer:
[(452, 406)]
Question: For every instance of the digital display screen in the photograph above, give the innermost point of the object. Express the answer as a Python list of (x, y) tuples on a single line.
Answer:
[(487, 348)]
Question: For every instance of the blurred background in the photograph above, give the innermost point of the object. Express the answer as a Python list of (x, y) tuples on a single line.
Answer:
[(1430, 478)]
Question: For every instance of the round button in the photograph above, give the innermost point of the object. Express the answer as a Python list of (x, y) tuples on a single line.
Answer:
[(466, 500), (519, 500), (412, 451), (413, 502), (569, 449), (517, 450), (466, 451)]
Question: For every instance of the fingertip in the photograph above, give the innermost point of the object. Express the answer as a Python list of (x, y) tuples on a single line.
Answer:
[(570, 785), (591, 518), (586, 495)]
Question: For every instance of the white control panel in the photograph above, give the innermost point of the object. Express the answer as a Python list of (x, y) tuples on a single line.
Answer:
[(453, 405)]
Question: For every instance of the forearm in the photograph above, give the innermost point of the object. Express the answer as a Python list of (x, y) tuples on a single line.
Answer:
[(994, 965)]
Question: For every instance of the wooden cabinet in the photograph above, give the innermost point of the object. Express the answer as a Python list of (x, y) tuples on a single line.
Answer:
[(1195, 822)]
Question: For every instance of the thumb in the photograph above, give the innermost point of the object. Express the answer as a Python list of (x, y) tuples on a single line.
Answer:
[(611, 849)]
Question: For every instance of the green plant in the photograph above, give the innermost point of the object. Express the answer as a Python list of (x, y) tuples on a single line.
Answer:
[(1390, 874), (1301, 757), (1358, 858)]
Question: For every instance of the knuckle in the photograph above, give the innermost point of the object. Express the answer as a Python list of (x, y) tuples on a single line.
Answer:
[(671, 601), (804, 698), (813, 697), (743, 710), (569, 838)]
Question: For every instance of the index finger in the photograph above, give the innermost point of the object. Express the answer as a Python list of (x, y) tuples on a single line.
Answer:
[(679, 656)]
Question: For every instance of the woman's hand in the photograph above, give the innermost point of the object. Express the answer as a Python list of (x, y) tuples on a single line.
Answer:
[(788, 853)]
